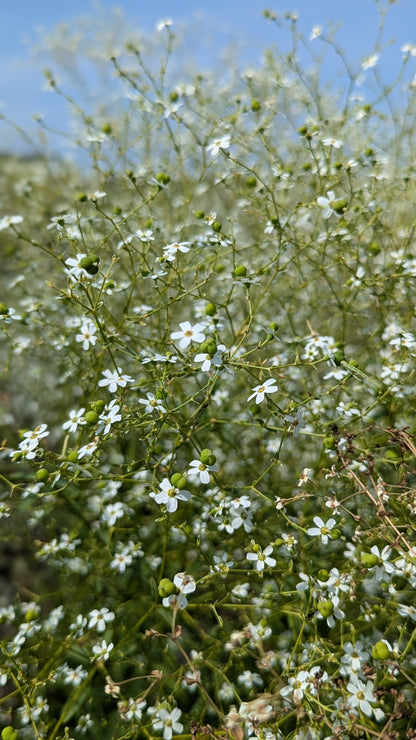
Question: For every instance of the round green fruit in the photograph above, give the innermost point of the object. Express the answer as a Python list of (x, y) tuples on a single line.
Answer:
[(178, 480), (217, 226), (326, 608), (91, 417), (369, 559), (166, 588), (380, 651), (240, 271), (42, 475)]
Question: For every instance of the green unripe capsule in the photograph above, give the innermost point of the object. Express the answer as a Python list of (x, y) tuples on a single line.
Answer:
[(207, 457), (72, 456), (210, 309), (163, 178), (240, 271), (82, 197), (217, 226), (178, 481), (90, 263), (42, 475), (339, 205), (380, 651), (98, 405), (369, 559), (323, 574), (251, 182), (166, 588), (91, 417), (3, 309), (338, 357), (335, 534), (199, 214), (9, 733), (326, 608), (255, 105), (173, 97)]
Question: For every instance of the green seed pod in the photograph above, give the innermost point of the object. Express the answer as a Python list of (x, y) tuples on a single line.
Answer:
[(369, 559), (178, 480), (72, 456), (323, 574), (90, 263), (107, 128), (199, 214), (217, 226), (3, 309), (339, 205), (163, 178), (369, 152), (207, 457), (335, 534), (255, 105), (91, 417), (380, 651), (82, 197), (166, 587), (326, 608), (42, 475), (329, 443), (9, 733), (173, 96), (31, 615), (98, 405), (240, 271), (210, 309), (117, 210), (251, 181), (303, 130)]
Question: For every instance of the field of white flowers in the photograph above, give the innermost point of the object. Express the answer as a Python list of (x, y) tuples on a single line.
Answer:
[(208, 478)]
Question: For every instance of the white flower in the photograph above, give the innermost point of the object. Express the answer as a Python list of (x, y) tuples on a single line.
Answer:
[(335, 143), (189, 334), (115, 379), (166, 23), (31, 439), (170, 495), (322, 529), (112, 512), (327, 203), (88, 449), (208, 360), (7, 221), (221, 143), (99, 618), (262, 557), (354, 656), (135, 709), (361, 694), (196, 467), (370, 61), (87, 335), (74, 266), (109, 416), (152, 403), (185, 583), (297, 685), (76, 419), (168, 722), (269, 386), (102, 652), (171, 250)]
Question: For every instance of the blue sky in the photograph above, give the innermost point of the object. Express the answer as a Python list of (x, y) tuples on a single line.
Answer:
[(22, 82)]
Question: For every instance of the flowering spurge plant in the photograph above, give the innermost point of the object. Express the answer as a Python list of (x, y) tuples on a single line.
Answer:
[(208, 439)]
